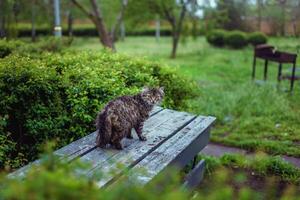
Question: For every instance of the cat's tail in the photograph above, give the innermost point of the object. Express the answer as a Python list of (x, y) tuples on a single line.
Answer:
[(104, 127)]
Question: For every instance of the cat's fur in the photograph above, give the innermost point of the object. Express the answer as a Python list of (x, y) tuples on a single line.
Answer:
[(119, 116)]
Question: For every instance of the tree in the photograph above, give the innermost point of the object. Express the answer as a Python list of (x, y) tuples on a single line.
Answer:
[(282, 5), (96, 16), (2, 18), (235, 11), (259, 4), (174, 12)]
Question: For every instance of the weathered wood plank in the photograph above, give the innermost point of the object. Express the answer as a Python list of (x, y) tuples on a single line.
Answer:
[(175, 150), (87, 143), (99, 155), (107, 160), (79, 147)]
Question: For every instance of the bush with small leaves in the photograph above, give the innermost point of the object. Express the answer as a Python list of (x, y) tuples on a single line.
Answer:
[(216, 37), (57, 96), (257, 38), (236, 39)]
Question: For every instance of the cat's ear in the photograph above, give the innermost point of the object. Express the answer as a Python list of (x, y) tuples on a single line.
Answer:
[(145, 89), (161, 89)]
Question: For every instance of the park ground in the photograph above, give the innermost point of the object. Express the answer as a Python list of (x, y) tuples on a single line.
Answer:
[(256, 116)]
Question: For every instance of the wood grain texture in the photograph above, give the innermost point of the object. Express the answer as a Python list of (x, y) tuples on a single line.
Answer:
[(107, 160), (169, 151)]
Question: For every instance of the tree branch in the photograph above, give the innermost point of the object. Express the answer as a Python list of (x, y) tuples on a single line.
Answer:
[(169, 16), (84, 10), (181, 17), (118, 20)]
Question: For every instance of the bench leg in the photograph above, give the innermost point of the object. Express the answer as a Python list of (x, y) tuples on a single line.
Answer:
[(194, 162), (266, 70), (293, 77), (193, 179), (253, 68), (279, 72)]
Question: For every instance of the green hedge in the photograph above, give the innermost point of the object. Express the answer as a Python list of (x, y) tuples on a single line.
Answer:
[(216, 37), (54, 96), (48, 44), (90, 31), (257, 38), (235, 39)]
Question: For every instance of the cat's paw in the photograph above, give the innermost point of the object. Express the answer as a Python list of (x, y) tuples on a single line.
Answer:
[(118, 146), (129, 136), (143, 138)]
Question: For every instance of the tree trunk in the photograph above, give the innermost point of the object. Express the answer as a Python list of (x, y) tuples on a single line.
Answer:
[(157, 29), (2, 19), (259, 8), (175, 40), (282, 4), (118, 22), (96, 16), (102, 32), (33, 31), (122, 31), (70, 24)]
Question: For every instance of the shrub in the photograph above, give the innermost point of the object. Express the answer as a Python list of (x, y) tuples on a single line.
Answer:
[(216, 37), (236, 39), (54, 179), (5, 50), (49, 44), (257, 38), (58, 96), (89, 30), (7, 47)]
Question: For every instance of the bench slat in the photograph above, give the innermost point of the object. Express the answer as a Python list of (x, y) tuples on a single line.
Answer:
[(175, 150), (96, 156)]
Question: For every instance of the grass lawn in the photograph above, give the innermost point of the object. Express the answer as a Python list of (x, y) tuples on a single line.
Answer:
[(250, 115)]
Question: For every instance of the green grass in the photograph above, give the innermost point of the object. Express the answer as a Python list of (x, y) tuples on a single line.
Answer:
[(257, 177), (250, 115)]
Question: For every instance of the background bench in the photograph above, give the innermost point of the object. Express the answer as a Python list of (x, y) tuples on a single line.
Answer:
[(173, 139)]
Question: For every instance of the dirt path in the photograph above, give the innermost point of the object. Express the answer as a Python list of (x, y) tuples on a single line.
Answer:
[(219, 150)]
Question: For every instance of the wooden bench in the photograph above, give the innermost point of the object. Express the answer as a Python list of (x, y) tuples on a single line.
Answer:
[(173, 139)]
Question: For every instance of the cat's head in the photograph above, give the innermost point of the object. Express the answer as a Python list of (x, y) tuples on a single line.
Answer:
[(152, 96)]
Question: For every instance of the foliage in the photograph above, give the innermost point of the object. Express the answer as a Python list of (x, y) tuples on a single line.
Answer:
[(48, 44), (54, 96), (57, 179), (88, 30), (7, 47), (216, 37), (259, 163), (236, 39), (4, 50), (238, 183), (257, 38), (234, 12)]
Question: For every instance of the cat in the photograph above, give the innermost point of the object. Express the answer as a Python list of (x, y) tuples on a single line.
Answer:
[(119, 116)]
